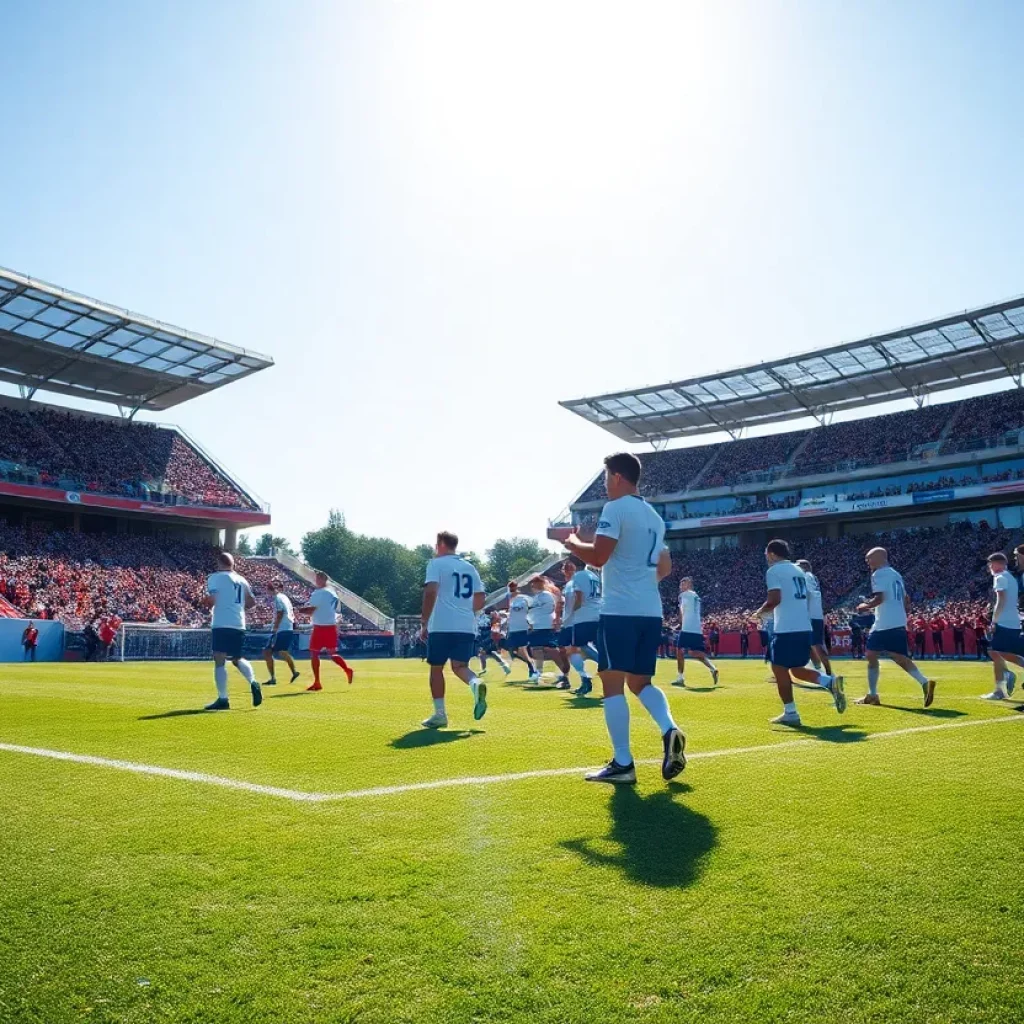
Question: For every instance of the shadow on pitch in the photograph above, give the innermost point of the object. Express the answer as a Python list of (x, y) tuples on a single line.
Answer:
[(927, 712), (582, 703), (432, 737), (179, 713), (661, 841), (289, 693), (830, 733)]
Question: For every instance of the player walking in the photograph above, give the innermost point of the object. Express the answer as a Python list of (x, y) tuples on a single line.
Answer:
[(453, 596), (890, 604), (229, 595), (630, 549), (815, 608), (791, 633), (282, 631), (485, 645), (691, 633), (323, 606), (1006, 644), (586, 602), (517, 633), (544, 611)]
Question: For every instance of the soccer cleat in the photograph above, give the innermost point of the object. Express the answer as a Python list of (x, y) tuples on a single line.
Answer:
[(584, 688), (714, 676), (679, 681), (349, 673), (534, 677), (295, 675), (786, 718), (870, 698), (479, 691), (314, 688), (257, 694), (482, 671), (674, 760), (1011, 682), (270, 682), (435, 721), (562, 683), (838, 691), (995, 695), (929, 693), (620, 774), (507, 668), (220, 704)]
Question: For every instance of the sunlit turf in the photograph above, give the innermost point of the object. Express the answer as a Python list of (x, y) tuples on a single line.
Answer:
[(841, 879)]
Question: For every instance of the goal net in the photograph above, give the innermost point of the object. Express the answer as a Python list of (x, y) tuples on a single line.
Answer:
[(142, 641)]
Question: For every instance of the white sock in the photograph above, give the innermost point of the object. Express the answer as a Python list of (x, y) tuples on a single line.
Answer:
[(873, 673), (657, 707), (472, 680), (790, 708), (915, 673), (439, 706), (576, 660), (540, 665), (711, 666), (246, 669), (616, 718), (824, 679), (220, 677)]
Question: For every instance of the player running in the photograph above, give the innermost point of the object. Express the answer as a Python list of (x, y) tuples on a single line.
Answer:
[(229, 595), (691, 633), (517, 628), (819, 649), (453, 596), (890, 604), (630, 549), (791, 633), (586, 601), (485, 645), (282, 631), (545, 608), (323, 605), (1006, 644)]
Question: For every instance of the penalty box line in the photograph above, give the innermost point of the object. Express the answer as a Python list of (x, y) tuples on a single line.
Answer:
[(300, 796)]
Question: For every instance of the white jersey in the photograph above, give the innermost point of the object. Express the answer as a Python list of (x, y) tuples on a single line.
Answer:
[(689, 612), (588, 584), (518, 613), (483, 623), (630, 577), (890, 614), (282, 603), (1006, 583), (790, 614), (457, 581), (324, 603), (229, 591), (569, 603), (542, 610), (814, 605)]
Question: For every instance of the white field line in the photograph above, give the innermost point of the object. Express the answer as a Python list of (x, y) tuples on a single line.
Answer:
[(473, 780)]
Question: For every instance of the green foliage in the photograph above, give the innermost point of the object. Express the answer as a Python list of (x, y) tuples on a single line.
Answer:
[(268, 544), (512, 557), (244, 546)]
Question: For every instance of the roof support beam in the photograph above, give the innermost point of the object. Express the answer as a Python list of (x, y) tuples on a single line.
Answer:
[(26, 391), (816, 414), (894, 368), (733, 432), (992, 345)]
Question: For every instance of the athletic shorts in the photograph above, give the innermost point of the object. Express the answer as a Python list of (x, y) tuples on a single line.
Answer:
[(280, 641), (690, 641), (628, 643), (790, 650), (445, 647), (1006, 640), (817, 632), (227, 641), (521, 638), (565, 636), (584, 633), (543, 638), (323, 638), (889, 641)]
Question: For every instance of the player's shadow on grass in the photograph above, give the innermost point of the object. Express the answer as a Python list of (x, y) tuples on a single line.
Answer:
[(288, 693), (661, 841), (927, 712), (179, 713), (432, 737), (583, 703), (844, 733)]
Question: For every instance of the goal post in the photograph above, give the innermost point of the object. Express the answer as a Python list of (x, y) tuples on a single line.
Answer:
[(149, 641)]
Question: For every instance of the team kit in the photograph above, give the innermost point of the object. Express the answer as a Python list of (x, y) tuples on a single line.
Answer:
[(610, 611)]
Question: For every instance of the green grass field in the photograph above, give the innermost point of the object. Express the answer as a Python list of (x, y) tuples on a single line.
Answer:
[(864, 873)]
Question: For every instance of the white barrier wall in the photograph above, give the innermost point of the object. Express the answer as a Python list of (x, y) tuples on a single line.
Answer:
[(51, 640)]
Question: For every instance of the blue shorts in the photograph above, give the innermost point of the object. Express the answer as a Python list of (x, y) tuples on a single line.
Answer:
[(521, 638), (445, 647), (565, 636), (279, 641), (584, 633), (690, 641), (543, 638), (227, 641), (628, 643), (889, 641), (790, 650), (817, 632), (1006, 640)]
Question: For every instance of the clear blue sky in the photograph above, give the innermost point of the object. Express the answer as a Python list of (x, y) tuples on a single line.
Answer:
[(441, 218)]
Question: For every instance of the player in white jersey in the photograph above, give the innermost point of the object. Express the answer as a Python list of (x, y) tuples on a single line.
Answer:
[(791, 633), (485, 645), (889, 603), (1006, 644), (630, 549), (453, 596), (691, 633), (816, 609), (545, 613), (324, 607), (229, 595), (282, 632), (579, 632), (517, 631)]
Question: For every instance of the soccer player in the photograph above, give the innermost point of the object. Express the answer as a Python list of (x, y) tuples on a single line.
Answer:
[(517, 634), (791, 633), (280, 641), (629, 547), (1006, 644), (890, 604), (586, 615), (485, 645), (453, 596), (229, 595), (544, 610), (323, 606), (691, 633), (819, 652)]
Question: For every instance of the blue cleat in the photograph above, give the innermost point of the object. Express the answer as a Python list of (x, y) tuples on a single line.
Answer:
[(1011, 682), (479, 690), (257, 694), (220, 704), (586, 685)]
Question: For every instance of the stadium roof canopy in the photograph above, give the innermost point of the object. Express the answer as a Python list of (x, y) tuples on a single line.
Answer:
[(58, 341), (967, 348)]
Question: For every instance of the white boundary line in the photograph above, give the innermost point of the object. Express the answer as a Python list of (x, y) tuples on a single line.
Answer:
[(474, 780)]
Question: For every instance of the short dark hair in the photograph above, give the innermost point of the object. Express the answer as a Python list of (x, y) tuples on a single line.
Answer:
[(448, 539), (625, 464), (778, 547), (997, 556)]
